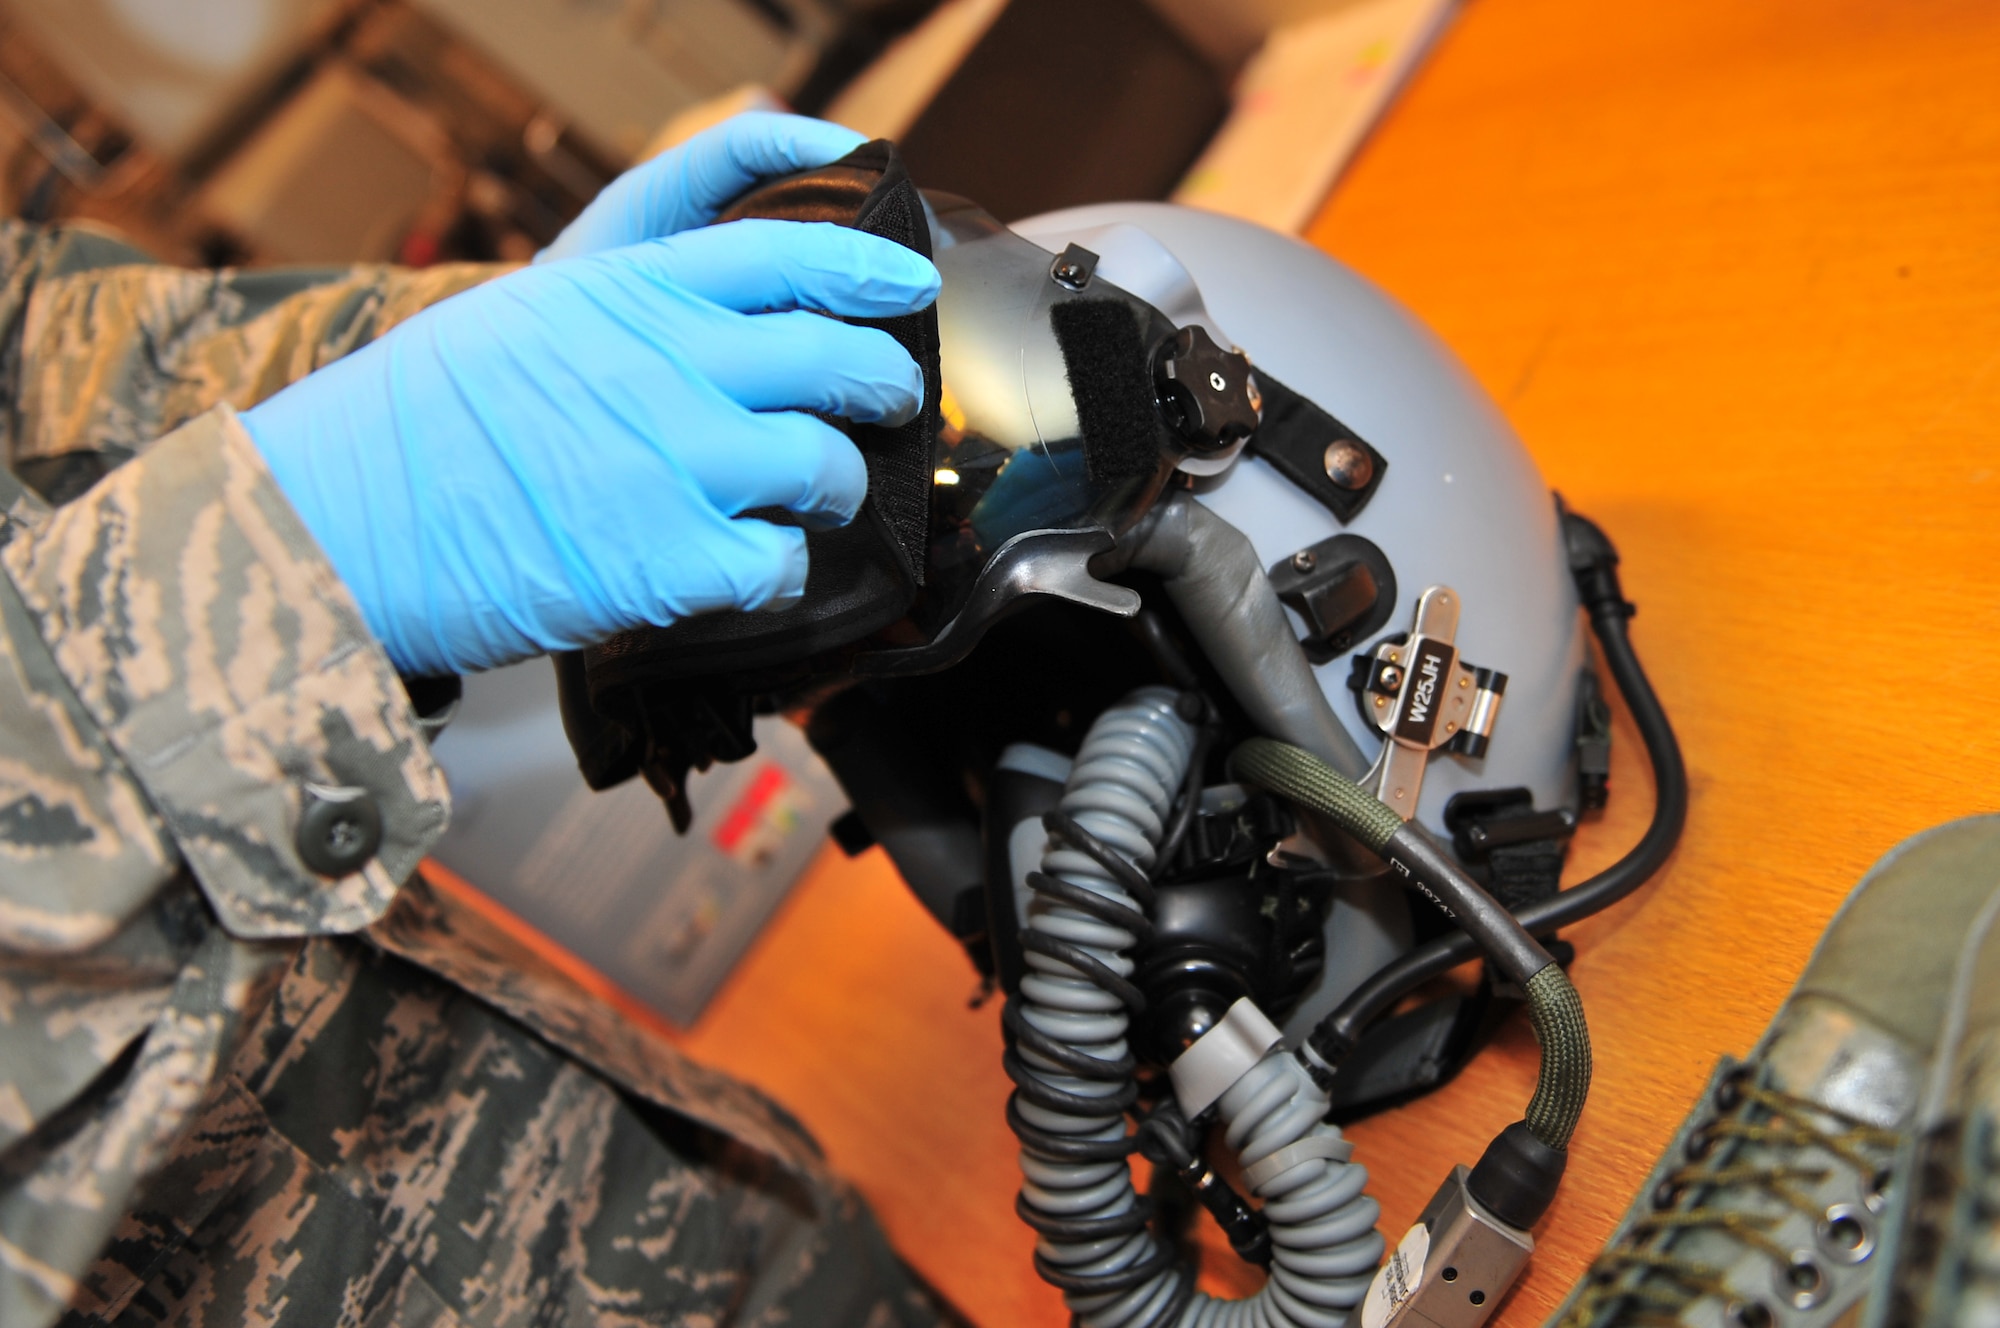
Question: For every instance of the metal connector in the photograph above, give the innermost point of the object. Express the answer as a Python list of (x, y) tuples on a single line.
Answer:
[(1489, 686), (1451, 1269), (1424, 697)]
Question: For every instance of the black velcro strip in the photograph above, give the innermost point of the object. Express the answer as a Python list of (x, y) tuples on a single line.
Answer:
[(899, 459), (1111, 381)]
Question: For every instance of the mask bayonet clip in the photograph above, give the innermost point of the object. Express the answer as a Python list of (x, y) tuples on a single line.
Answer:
[(1423, 697)]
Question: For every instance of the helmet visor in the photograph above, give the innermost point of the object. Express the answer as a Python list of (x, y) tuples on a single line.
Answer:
[(1048, 419)]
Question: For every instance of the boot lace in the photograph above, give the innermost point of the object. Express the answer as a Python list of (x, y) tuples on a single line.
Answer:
[(1638, 1279)]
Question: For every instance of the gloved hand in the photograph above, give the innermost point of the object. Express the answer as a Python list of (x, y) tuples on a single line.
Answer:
[(687, 185), (558, 454)]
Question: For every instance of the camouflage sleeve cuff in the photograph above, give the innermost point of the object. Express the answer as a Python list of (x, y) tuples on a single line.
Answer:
[(207, 636)]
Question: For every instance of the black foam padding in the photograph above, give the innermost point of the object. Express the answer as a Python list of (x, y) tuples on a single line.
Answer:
[(1111, 380), (870, 190), (899, 459)]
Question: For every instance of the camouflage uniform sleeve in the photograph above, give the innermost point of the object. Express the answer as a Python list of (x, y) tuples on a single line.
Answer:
[(210, 646), (180, 674), (102, 353)]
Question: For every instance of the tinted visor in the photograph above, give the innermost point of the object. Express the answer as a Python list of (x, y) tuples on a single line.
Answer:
[(1048, 416)]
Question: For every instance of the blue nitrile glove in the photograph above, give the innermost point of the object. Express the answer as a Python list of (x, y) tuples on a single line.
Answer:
[(687, 185), (557, 455)]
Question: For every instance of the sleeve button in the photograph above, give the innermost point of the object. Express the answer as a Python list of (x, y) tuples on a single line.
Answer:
[(340, 828)]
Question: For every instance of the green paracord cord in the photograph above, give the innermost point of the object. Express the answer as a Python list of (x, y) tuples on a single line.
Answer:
[(1305, 779), (1564, 1082), (1553, 1003)]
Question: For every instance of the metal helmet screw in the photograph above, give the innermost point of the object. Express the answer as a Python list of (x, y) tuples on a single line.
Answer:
[(1303, 561), (1348, 464), (1074, 267)]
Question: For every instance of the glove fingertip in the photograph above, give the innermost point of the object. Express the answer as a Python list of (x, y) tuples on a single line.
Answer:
[(777, 575), (911, 406), (845, 484), (894, 401), (908, 272), (738, 563)]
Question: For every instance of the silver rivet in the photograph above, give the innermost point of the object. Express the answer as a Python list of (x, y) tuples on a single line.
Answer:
[(1748, 1314), (1348, 464), (1303, 561), (1392, 677), (1802, 1282), (1847, 1233)]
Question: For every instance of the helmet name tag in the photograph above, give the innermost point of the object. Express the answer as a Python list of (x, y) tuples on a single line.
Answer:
[(1430, 673)]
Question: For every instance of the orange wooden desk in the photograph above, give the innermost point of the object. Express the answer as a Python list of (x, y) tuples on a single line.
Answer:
[(1734, 272)]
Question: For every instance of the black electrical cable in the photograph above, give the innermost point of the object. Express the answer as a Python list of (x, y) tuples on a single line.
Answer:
[(1594, 563), (1029, 1087), (1196, 710)]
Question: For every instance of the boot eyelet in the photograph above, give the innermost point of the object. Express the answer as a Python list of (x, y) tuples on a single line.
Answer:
[(1749, 1314), (1729, 1093), (1876, 1197), (1666, 1194), (1802, 1283), (1700, 1143), (1846, 1234)]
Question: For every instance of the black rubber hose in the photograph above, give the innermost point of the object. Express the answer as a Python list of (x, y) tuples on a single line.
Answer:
[(1594, 563), (1189, 803)]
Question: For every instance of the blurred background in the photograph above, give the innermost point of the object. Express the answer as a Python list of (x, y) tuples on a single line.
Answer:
[(305, 131)]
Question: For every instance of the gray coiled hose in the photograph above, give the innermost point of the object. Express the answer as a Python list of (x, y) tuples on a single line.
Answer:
[(1324, 1245), (1073, 1074)]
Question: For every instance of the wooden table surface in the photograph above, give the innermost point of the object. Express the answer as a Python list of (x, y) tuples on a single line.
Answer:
[(1733, 270)]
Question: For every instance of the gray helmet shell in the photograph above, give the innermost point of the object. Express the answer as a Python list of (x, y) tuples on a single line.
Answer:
[(1462, 503)]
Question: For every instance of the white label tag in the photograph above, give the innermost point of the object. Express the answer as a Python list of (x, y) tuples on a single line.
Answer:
[(1398, 1279)]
